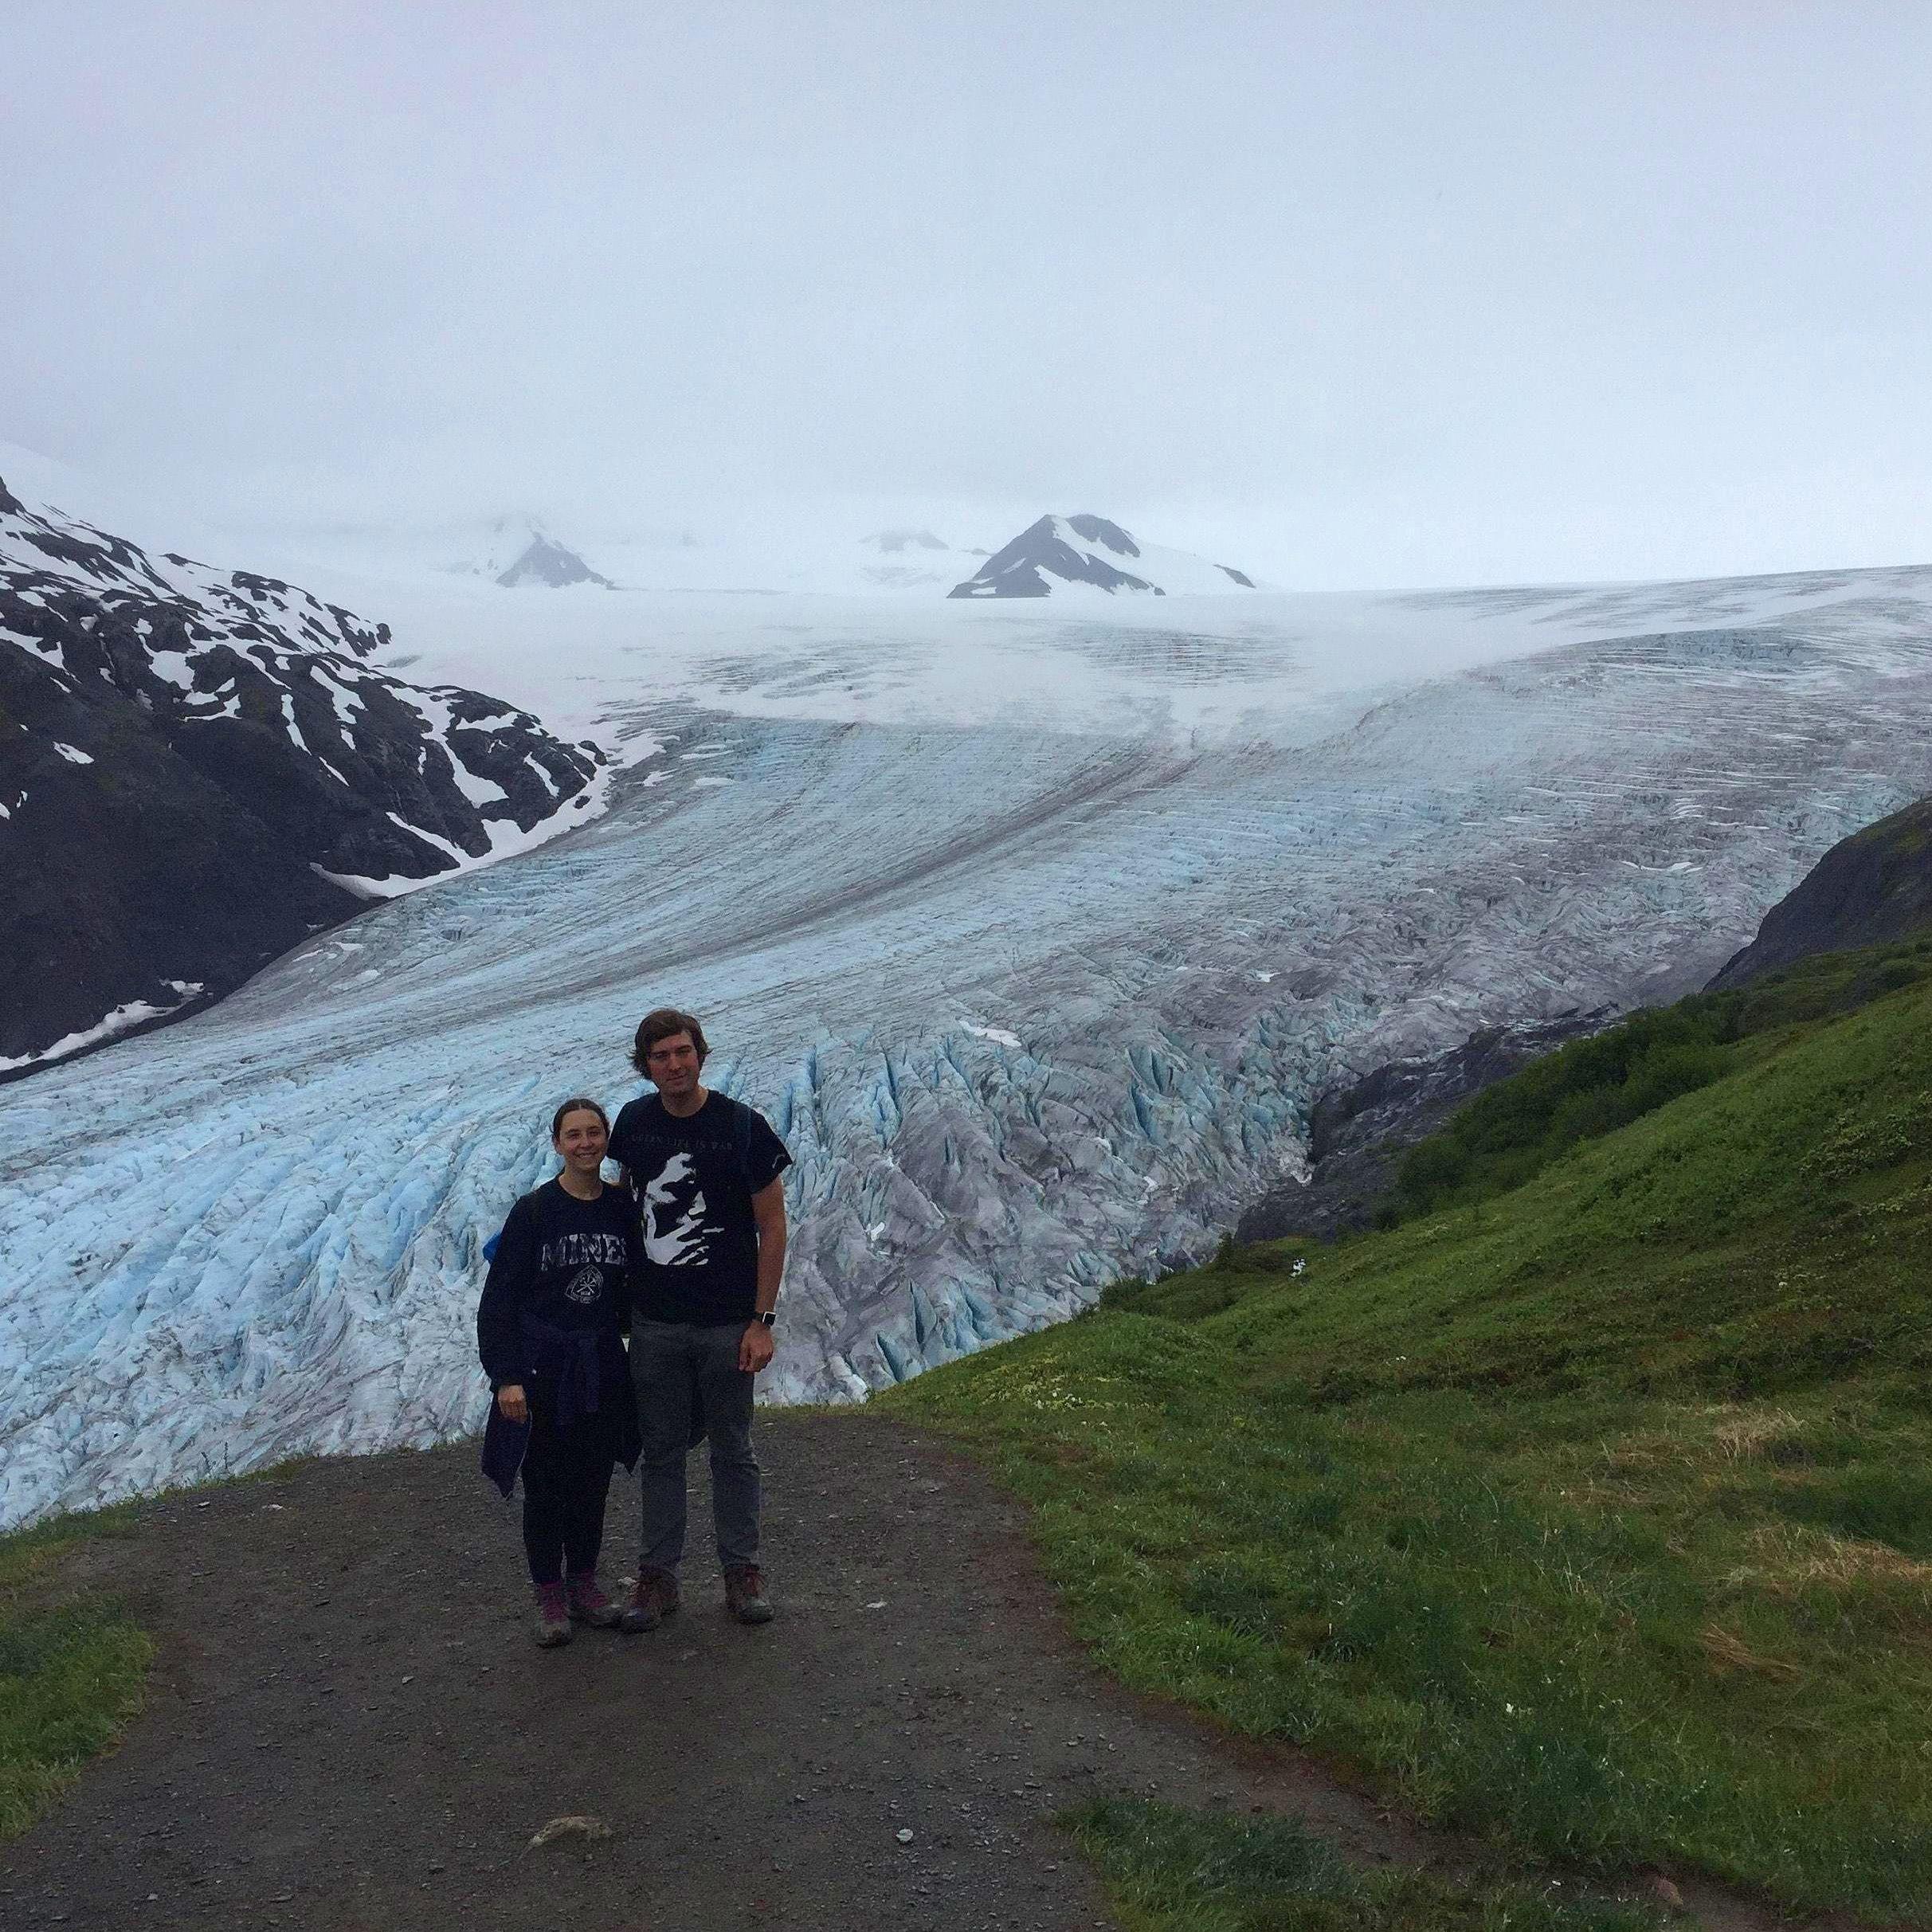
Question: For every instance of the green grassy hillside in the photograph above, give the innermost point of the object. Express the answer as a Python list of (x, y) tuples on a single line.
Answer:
[(1590, 1507), (71, 1667)]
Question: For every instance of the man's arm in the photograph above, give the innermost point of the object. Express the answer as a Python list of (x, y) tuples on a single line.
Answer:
[(768, 1212)]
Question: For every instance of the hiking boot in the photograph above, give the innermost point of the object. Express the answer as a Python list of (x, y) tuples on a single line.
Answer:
[(553, 1624), (653, 1597), (744, 1594), (588, 1604)]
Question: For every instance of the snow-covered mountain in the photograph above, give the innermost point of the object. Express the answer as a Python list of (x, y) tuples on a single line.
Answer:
[(1036, 930), (912, 558), (199, 767), (778, 559), (1062, 553), (544, 561), (896, 542), (519, 552)]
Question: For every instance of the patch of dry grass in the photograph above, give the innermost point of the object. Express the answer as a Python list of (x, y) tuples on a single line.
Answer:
[(1728, 1651)]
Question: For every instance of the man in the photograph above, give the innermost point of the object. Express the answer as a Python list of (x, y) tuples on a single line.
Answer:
[(705, 1169)]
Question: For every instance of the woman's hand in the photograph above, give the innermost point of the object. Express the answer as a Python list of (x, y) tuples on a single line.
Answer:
[(510, 1400)]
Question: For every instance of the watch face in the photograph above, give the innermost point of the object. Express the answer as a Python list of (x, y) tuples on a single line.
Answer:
[(771, 1321)]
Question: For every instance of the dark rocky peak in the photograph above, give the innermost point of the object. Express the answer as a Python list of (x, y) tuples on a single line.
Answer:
[(1098, 530), (1871, 888), (1040, 553), (1087, 549), (544, 561)]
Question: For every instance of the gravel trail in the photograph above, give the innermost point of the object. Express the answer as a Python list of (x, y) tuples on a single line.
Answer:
[(348, 1727)]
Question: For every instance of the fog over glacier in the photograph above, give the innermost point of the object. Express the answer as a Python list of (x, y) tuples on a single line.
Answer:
[(1345, 294), (1035, 932)]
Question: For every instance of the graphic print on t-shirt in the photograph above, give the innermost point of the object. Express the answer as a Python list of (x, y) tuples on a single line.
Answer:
[(586, 1285), (676, 1232)]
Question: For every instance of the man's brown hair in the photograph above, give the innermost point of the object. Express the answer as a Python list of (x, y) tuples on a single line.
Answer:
[(659, 1024)]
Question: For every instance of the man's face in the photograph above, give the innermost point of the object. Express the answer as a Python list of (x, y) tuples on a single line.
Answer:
[(672, 1064)]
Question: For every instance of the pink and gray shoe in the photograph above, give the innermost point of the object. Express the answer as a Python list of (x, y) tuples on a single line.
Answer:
[(553, 1624), (589, 1605)]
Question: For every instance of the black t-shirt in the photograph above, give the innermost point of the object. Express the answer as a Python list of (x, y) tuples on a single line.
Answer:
[(560, 1260), (695, 1179)]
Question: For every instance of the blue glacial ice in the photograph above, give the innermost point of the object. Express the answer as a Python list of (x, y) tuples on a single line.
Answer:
[(1034, 1003)]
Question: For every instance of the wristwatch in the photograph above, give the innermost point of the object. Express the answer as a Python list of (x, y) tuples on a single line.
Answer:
[(769, 1318)]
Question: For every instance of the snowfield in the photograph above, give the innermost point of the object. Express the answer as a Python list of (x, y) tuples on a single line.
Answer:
[(1035, 932)]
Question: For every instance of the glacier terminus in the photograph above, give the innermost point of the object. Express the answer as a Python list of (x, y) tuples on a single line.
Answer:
[(1036, 931)]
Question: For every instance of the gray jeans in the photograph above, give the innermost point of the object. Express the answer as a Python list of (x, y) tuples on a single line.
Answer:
[(674, 1364)]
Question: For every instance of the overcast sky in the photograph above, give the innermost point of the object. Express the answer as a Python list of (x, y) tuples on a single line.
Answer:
[(1348, 295)]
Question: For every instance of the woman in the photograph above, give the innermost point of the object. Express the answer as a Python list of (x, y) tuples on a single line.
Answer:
[(550, 1329)]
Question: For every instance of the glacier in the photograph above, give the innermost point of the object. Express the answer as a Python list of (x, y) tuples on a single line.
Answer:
[(1035, 935)]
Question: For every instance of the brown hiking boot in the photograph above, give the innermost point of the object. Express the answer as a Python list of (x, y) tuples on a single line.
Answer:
[(744, 1594), (553, 1624), (653, 1597)]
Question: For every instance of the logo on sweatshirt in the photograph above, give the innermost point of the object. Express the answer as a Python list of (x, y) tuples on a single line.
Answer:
[(575, 1250), (586, 1285)]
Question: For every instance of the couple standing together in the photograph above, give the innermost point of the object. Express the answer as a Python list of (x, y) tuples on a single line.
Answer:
[(684, 1255)]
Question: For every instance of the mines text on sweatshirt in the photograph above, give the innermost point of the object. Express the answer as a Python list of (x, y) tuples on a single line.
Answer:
[(562, 1265)]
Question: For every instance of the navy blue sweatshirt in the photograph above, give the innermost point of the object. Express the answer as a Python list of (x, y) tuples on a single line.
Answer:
[(561, 1264)]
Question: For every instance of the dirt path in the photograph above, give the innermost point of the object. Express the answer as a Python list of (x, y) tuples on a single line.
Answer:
[(349, 1727)]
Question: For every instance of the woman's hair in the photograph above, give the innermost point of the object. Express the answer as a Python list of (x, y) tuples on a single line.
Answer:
[(580, 1105), (661, 1024)]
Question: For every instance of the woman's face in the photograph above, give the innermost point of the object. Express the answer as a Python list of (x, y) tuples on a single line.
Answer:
[(581, 1139)]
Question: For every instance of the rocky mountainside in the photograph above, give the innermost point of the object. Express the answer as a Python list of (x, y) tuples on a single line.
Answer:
[(1358, 1132), (199, 767), (1873, 886), (1060, 552)]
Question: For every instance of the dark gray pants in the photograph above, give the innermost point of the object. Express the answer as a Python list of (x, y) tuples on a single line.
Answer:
[(673, 1364)]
